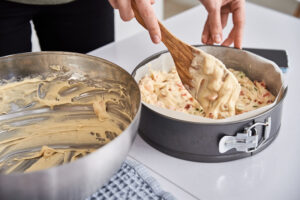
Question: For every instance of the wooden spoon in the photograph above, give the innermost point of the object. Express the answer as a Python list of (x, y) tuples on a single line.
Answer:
[(204, 76), (181, 52)]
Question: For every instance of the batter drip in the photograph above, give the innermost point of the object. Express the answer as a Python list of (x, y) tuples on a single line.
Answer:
[(214, 86)]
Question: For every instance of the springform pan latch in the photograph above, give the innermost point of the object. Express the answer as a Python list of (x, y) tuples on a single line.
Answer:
[(247, 141)]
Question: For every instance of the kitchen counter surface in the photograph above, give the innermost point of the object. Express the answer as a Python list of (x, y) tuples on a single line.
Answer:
[(273, 173)]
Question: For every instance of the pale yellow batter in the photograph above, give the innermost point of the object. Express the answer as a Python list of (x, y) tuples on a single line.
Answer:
[(47, 122), (164, 89), (214, 86)]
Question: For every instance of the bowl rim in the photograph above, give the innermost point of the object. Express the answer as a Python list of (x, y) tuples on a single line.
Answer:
[(66, 53)]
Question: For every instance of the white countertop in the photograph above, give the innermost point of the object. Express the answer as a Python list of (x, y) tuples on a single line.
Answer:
[(273, 173)]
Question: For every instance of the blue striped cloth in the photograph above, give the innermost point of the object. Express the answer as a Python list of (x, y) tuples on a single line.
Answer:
[(284, 69), (131, 182)]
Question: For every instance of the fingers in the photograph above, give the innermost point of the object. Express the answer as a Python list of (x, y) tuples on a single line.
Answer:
[(215, 25), (113, 3), (207, 37), (126, 12), (148, 15), (238, 17), (210, 41), (146, 12), (224, 19), (217, 20), (124, 7), (205, 33), (229, 40), (224, 16)]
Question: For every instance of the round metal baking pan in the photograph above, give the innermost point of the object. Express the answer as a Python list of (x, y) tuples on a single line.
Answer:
[(82, 177), (209, 142)]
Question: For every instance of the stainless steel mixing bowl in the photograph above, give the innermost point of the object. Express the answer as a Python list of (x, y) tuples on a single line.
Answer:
[(78, 179)]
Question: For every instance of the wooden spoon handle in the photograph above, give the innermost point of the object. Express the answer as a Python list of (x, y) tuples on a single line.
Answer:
[(181, 52)]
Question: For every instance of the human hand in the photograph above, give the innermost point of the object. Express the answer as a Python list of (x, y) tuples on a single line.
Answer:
[(218, 11), (146, 11)]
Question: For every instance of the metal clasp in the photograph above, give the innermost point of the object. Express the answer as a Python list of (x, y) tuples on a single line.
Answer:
[(247, 141)]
